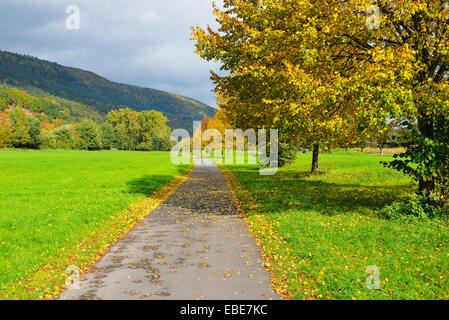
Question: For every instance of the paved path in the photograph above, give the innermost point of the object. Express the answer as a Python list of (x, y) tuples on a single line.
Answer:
[(193, 246)]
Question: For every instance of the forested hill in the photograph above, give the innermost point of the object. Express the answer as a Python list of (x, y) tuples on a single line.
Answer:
[(97, 92)]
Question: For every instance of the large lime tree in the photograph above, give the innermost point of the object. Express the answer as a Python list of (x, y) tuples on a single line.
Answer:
[(279, 74), (402, 72), (339, 70)]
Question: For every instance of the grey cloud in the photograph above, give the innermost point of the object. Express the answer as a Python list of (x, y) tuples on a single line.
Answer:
[(140, 42)]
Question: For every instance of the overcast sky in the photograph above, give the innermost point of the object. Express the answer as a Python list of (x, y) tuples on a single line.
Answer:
[(139, 42)]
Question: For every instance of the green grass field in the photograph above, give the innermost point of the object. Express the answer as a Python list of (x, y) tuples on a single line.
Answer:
[(52, 200), (321, 232)]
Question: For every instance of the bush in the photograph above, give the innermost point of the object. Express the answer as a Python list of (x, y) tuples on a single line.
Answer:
[(19, 120), (6, 133), (35, 131), (145, 146), (87, 136), (415, 208), (111, 137), (64, 137), (161, 143), (427, 160), (48, 139), (287, 155)]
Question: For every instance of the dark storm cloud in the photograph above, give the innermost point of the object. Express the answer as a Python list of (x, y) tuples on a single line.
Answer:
[(140, 42)]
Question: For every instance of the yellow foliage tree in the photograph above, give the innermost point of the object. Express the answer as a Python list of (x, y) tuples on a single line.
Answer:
[(273, 80), (6, 131), (326, 71)]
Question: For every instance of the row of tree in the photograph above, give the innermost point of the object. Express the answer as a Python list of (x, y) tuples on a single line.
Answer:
[(329, 73), (125, 129), (85, 88)]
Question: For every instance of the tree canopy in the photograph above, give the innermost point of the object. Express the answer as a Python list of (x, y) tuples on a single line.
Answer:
[(321, 73)]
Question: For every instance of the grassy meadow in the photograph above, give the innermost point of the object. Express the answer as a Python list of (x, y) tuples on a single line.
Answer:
[(321, 232), (51, 201)]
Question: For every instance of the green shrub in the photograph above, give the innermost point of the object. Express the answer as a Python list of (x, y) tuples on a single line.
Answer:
[(64, 137), (111, 137), (48, 139), (415, 208), (287, 155), (6, 133), (145, 146), (87, 136), (161, 143), (19, 120), (35, 131), (426, 160)]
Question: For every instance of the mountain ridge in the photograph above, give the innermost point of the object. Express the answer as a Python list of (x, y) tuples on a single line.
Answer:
[(96, 91)]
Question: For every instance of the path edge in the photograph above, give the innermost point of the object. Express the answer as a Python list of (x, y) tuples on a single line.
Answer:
[(240, 194)]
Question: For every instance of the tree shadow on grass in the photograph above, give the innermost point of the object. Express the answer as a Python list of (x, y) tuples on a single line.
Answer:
[(290, 191), (148, 184)]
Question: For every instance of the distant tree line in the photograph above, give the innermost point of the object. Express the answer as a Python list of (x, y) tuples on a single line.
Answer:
[(124, 129), (88, 89)]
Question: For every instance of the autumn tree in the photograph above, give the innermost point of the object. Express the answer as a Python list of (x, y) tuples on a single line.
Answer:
[(48, 139), (111, 138), (274, 77), (218, 122), (6, 131), (65, 137), (127, 122), (341, 66), (385, 138), (146, 130), (19, 121), (401, 72), (154, 133), (35, 132), (87, 136)]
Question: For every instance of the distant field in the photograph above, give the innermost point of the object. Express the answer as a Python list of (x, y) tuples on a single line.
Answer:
[(321, 232), (385, 151), (52, 200)]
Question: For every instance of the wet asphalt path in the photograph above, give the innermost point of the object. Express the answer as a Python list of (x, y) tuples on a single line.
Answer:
[(193, 246)]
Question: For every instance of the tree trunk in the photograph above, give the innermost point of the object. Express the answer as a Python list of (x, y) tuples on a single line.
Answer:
[(381, 150), (316, 153), (425, 126)]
